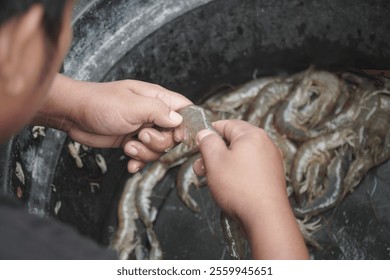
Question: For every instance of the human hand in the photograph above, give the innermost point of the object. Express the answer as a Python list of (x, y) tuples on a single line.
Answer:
[(111, 115), (247, 181), (250, 169)]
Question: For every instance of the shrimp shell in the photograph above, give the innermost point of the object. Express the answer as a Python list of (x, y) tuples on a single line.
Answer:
[(185, 179), (308, 103), (336, 173), (123, 241), (155, 252), (236, 98), (149, 180), (234, 237), (268, 96), (315, 148)]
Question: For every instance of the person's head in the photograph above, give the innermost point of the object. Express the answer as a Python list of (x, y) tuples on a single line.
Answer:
[(34, 38)]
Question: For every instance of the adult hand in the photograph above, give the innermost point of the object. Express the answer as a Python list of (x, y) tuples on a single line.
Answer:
[(247, 181), (134, 115)]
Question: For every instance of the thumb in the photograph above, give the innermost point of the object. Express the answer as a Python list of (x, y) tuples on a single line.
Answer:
[(160, 114), (210, 145)]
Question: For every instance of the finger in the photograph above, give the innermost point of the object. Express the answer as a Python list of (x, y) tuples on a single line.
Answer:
[(210, 145), (232, 130), (240, 133), (153, 110), (155, 140), (178, 134), (139, 151), (173, 99), (135, 165), (199, 168)]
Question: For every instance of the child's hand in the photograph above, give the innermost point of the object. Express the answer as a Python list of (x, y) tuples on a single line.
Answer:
[(247, 181), (109, 115)]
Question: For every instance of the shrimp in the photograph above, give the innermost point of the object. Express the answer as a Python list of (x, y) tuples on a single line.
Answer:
[(287, 147), (336, 173), (195, 119), (316, 148), (314, 179), (149, 180), (185, 179), (233, 236), (241, 96), (123, 241), (268, 96), (362, 102), (308, 103), (373, 148), (308, 229), (155, 252)]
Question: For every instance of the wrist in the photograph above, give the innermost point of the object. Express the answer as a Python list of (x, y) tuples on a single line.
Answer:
[(61, 104), (272, 230)]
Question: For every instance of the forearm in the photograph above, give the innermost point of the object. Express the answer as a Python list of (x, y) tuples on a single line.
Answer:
[(273, 232), (61, 104)]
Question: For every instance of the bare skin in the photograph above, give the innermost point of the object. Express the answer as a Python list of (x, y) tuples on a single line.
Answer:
[(136, 116), (252, 189)]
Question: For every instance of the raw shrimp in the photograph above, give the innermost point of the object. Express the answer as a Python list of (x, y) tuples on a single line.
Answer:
[(236, 98), (155, 252), (316, 148), (234, 237), (123, 241), (307, 104), (185, 179), (144, 191), (268, 96), (336, 173), (287, 147)]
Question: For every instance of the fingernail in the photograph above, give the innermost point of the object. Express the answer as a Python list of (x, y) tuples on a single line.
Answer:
[(145, 137), (135, 170), (132, 151), (202, 134), (176, 117)]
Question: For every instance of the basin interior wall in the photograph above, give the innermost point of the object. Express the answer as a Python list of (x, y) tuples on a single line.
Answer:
[(195, 47)]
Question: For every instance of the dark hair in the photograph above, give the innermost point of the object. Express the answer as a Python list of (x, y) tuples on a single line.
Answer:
[(52, 18)]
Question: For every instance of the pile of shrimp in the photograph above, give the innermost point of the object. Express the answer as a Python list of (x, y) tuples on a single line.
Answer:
[(331, 128)]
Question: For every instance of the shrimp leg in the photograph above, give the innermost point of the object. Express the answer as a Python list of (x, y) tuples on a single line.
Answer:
[(315, 148), (337, 170)]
